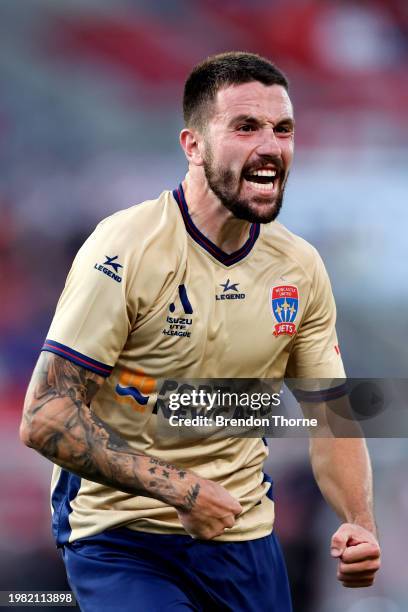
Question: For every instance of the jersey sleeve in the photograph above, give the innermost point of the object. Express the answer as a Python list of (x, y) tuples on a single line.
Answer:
[(315, 353), (94, 315)]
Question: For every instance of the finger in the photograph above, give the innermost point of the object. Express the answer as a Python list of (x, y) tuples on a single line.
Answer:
[(348, 535), (229, 521), (361, 552), (236, 508), (221, 531), (209, 534), (339, 540), (350, 569), (364, 580), (358, 585), (362, 575)]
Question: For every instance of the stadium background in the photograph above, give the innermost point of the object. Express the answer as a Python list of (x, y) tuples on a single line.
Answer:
[(89, 118)]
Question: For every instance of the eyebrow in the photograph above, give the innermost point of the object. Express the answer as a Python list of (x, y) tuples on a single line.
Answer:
[(244, 118)]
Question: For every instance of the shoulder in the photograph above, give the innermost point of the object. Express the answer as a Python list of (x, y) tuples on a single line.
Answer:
[(149, 235), (134, 230), (278, 238), (144, 220)]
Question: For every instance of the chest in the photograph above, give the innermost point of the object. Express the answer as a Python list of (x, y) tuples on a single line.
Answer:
[(214, 321)]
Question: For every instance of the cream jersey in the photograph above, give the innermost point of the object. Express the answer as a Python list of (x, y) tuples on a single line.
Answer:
[(149, 297)]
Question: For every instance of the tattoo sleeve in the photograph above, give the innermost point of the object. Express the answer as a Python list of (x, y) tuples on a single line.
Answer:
[(59, 424)]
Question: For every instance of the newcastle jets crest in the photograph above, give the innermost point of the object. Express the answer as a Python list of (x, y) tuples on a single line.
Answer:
[(285, 303)]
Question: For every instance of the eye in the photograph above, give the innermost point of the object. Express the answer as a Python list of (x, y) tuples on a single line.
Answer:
[(246, 127), (284, 128)]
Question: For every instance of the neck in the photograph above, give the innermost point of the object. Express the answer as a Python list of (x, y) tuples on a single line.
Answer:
[(215, 221)]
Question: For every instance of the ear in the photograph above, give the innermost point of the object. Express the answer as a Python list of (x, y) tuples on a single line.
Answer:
[(192, 144)]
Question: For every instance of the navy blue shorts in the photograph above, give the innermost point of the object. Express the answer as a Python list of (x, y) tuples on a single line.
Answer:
[(123, 570)]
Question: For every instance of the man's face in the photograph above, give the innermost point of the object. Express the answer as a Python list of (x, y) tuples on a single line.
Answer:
[(249, 149)]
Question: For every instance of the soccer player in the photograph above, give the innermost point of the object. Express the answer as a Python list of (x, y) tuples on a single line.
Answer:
[(149, 523)]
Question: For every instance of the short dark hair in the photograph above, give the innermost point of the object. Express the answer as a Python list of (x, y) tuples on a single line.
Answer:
[(222, 70)]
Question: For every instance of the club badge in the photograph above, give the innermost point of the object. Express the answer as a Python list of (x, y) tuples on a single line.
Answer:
[(285, 302)]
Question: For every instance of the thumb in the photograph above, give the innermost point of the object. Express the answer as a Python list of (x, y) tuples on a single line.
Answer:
[(339, 541)]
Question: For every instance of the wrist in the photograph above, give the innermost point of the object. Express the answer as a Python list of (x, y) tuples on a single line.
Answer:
[(168, 483), (365, 520), (188, 491)]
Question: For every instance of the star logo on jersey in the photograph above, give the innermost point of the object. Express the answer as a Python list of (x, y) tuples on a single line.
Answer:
[(109, 262), (228, 287), (115, 265), (233, 287), (284, 301)]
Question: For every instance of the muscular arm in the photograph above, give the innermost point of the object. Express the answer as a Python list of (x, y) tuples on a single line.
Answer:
[(343, 472), (59, 424)]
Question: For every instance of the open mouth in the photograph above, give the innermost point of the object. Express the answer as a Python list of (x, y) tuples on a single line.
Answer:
[(261, 180)]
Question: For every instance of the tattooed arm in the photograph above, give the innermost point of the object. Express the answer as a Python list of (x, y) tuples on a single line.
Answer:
[(59, 424)]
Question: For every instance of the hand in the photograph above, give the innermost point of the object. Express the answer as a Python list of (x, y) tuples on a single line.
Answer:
[(209, 510), (358, 552)]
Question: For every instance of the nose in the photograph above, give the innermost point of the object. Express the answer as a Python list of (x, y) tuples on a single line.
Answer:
[(269, 143)]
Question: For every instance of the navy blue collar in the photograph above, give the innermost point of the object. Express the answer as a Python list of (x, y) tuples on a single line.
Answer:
[(228, 259)]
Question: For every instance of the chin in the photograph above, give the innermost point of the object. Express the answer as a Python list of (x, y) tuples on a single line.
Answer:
[(264, 211), (257, 214), (266, 218)]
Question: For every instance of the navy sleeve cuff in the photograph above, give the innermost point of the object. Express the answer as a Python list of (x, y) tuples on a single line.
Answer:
[(322, 395), (82, 360)]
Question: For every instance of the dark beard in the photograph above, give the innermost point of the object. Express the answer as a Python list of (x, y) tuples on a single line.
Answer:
[(221, 184)]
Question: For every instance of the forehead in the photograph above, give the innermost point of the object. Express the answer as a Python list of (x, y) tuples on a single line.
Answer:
[(270, 102)]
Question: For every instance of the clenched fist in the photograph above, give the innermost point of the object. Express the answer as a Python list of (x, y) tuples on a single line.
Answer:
[(209, 510), (358, 552)]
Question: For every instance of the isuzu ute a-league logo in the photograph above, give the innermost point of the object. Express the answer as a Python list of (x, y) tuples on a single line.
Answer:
[(179, 326), (285, 303)]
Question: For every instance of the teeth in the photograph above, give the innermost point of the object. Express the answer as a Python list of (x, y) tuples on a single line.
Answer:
[(262, 186), (264, 173)]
